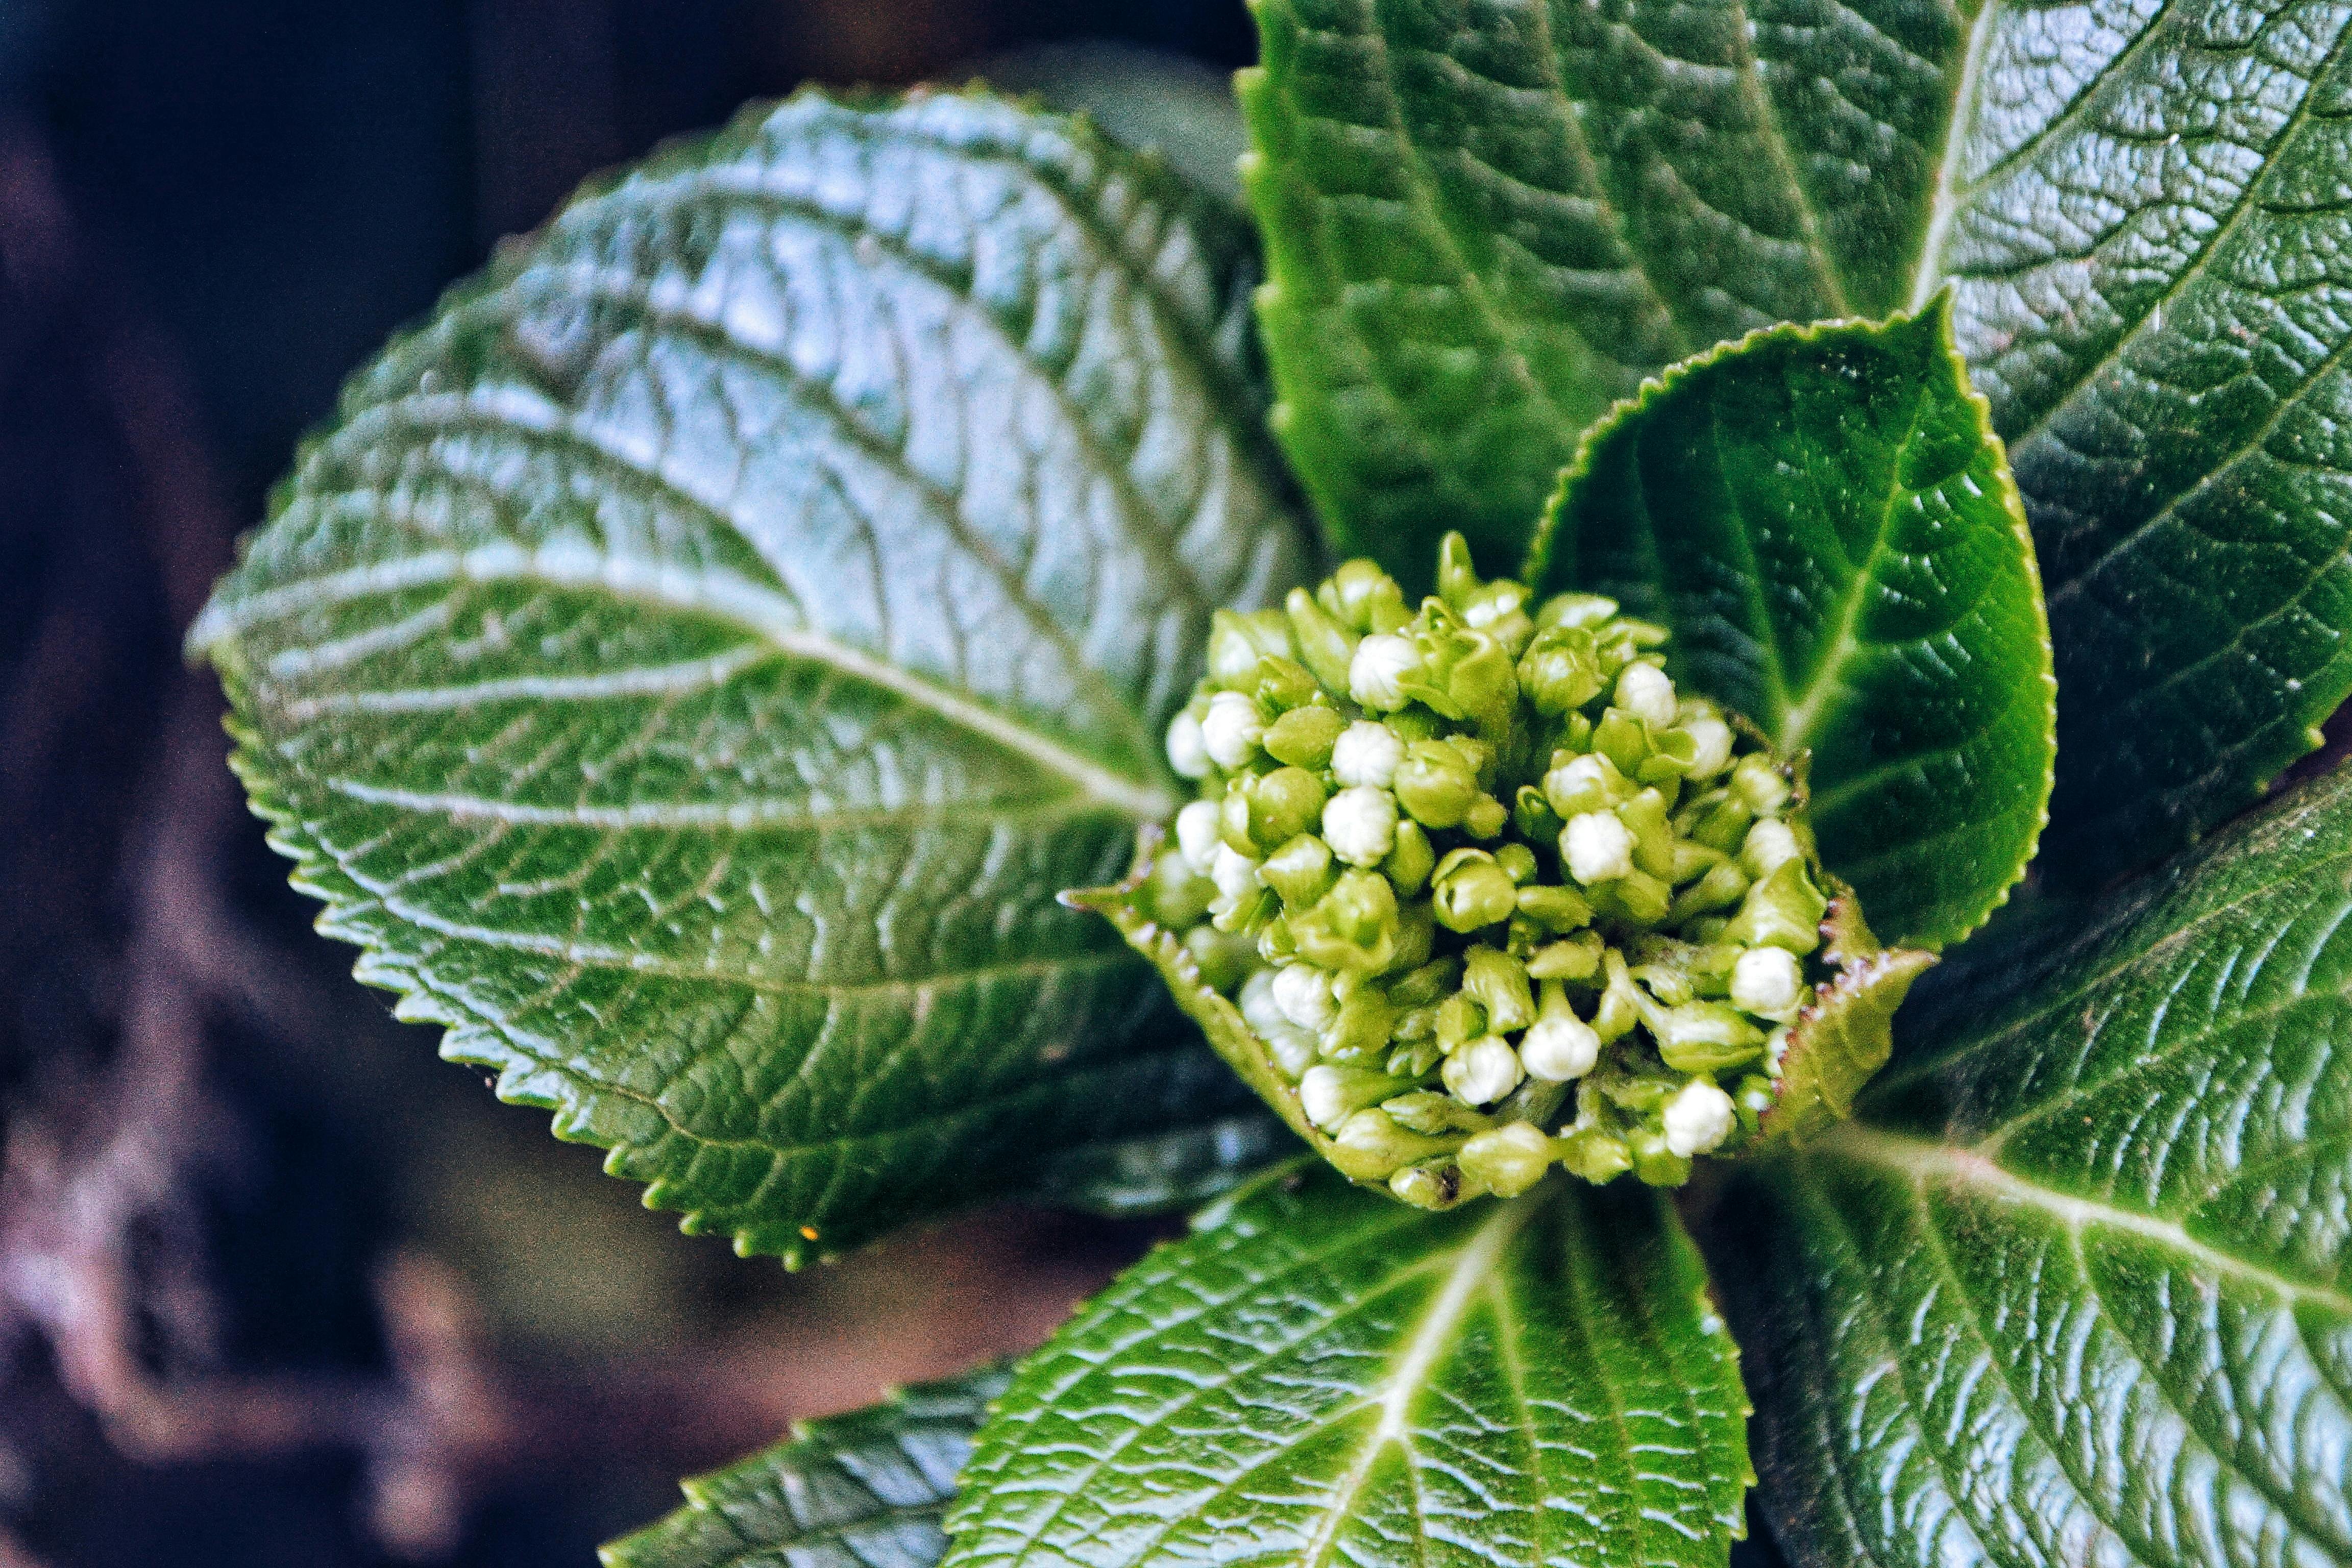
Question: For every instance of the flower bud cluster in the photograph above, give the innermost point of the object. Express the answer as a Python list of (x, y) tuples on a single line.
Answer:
[(1492, 893)]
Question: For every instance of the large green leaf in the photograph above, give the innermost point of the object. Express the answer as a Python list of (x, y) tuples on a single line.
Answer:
[(692, 663), (2147, 225), (861, 1490), (1320, 1374), (2078, 1286), (1485, 219), (1824, 519)]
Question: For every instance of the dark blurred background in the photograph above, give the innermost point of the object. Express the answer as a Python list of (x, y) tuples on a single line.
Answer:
[(277, 1287)]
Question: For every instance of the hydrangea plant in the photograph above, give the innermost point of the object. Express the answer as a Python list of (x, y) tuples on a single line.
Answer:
[(902, 656)]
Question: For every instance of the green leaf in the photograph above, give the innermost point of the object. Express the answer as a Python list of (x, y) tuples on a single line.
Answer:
[(862, 1491), (1824, 521), (1171, 1172), (2143, 222), (691, 664), (1486, 221), (2078, 1286), (1320, 1375)]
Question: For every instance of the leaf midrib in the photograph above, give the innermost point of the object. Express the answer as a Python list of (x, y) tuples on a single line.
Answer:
[(1409, 1374), (1921, 1160)]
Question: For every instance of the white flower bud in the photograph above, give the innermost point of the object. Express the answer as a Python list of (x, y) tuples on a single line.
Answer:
[(1322, 1094), (1188, 748), (1232, 729), (1645, 691), (1598, 848), (1258, 1008), (1711, 738), (1376, 676), (1698, 1119), (1483, 1071), (1367, 753), (1359, 824), (1303, 993), (1768, 982), (1197, 838), (1770, 844), (1235, 873), (1557, 1049)]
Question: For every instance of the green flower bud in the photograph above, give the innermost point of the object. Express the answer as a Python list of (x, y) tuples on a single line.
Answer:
[(1427, 1112), (1434, 785), (1518, 861), (1245, 914), (1330, 1095), (1282, 804), (1434, 1185), (1304, 737), (1653, 836), (1369, 1146), (1327, 647), (1276, 945), (1282, 684), (1300, 870), (1638, 896), (1533, 817), (1716, 819), (1578, 958), (1236, 642), (1620, 737), (1177, 895), (1361, 1028), (1560, 672), (1593, 1154), (1784, 910), (1352, 927), (1475, 673), (1487, 817), (1460, 1020), (1752, 1099), (1416, 1059), (1222, 959), (1428, 983), (1508, 1160), (1416, 937), (1233, 823), (1723, 885), (1655, 1164), (1705, 1036), (1470, 891), (1621, 1001), (1499, 982), (1691, 859), (1363, 598), (1759, 784), (1412, 861)]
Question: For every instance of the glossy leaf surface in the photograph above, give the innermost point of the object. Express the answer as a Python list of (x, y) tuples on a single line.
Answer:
[(1320, 1374), (2147, 223), (1825, 519), (1487, 219), (2077, 1287), (692, 663), (862, 1491)]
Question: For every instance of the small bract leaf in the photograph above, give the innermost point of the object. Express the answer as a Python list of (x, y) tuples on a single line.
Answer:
[(2076, 1285), (866, 1489), (1825, 518), (1321, 1376), (691, 664)]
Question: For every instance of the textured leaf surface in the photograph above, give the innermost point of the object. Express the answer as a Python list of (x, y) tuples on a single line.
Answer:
[(693, 662), (861, 1490), (1825, 520), (1485, 219), (2150, 232), (1321, 1374), (2077, 1289)]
